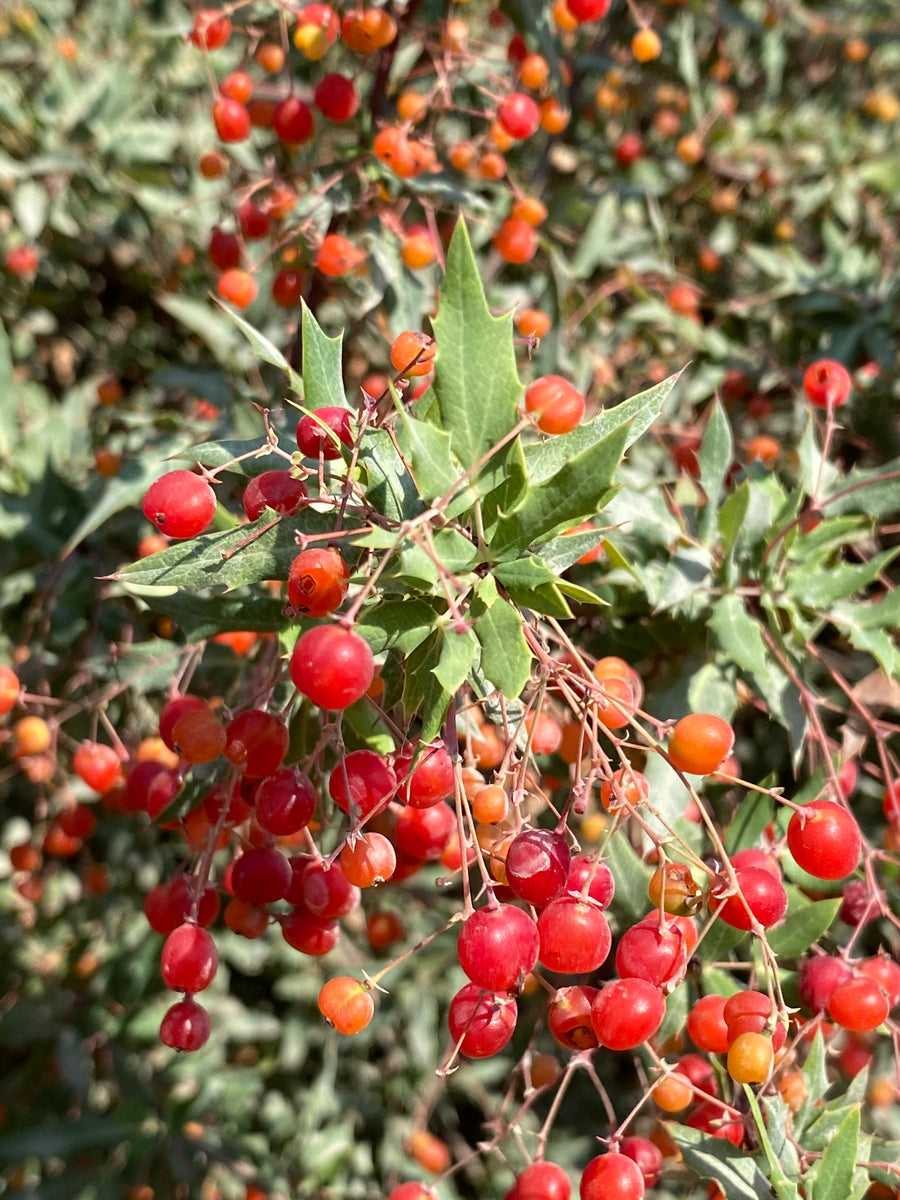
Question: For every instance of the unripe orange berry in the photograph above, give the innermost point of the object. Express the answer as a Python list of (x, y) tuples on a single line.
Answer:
[(646, 45)]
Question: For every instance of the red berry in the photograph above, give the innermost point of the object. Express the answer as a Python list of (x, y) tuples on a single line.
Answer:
[(481, 1022), (886, 973), (308, 934), (211, 29), (587, 871), (363, 782), (649, 951), (189, 959), (186, 1025), (231, 119), (627, 1012), (431, 780), (277, 490), (824, 840), (519, 115), (574, 935), (180, 504), (557, 405), (827, 383), (224, 249), (285, 802), (257, 742), (706, 1024), (321, 434), (336, 97), (763, 895), (569, 1017), (287, 287), (292, 121), (612, 1177), (97, 765), (537, 866), (588, 10), (261, 875), (423, 833), (498, 947), (332, 666), (326, 893), (859, 1004), (647, 1155)]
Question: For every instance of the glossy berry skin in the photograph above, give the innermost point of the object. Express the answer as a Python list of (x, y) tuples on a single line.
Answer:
[(818, 978), (362, 783), (314, 438), (431, 779), (292, 121), (97, 765), (587, 871), (885, 972), (332, 666), (537, 865), (706, 1024), (626, 1013), (317, 582), (699, 743), (180, 504), (277, 490), (827, 383), (519, 115), (186, 1025), (231, 119), (557, 405), (764, 895), (285, 802), (346, 1004), (498, 947), (261, 875), (658, 955), (481, 1022), (646, 1154), (413, 353), (211, 29), (425, 832), (708, 1118), (369, 860), (541, 1181), (287, 287), (224, 250), (750, 1011), (256, 743), (859, 1004), (336, 97), (516, 241), (588, 10), (824, 840), (310, 935), (574, 935), (189, 959), (326, 893), (612, 1177)]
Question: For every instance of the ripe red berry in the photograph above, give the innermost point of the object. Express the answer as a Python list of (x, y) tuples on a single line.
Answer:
[(588, 10), (97, 765), (322, 434), (629, 149), (519, 115), (516, 240), (277, 490), (189, 959), (336, 97), (287, 287), (261, 875), (859, 1004), (292, 121), (308, 934), (423, 833), (332, 666), (238, 287), (646, 1154), (498, 947), (706, 1024), (257, 742), (430, 781), (655, 952), (21, 261), (824, 839), (480, 1021), (569, 1017), (587, 871), (827, 383), (574, 935), (362, 781), (180, 504), (886, 973), (231, 119), (763, 894), (537, 865), (818, 978), (612, 1177), (627, 1012), (285, 802), (541, 1181), (224, 249), (211, 29), (186, 1025)]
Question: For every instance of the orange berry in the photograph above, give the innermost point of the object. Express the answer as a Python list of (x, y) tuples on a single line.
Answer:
[(515, 241), (346, 1004), (429, 1151), (673, 1093), (109, 391), (417, 251), (270, 57), (531, 322), (462, 155), (31, 736), (699, 743), (554, 118), (492, 165), (646, 45), (562, 17), (490, 804), (533, 70), (238, 287), (750, 1058), (412, 107), (529, 209), (9, 689), (413, 353)]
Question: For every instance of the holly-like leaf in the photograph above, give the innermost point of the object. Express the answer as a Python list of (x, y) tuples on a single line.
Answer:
[(631, 877), (254, 553), (831, 1177), (575, 493), (204, 616), (715, 457), (323, 376), (217, 454), (399, 625), (264, 349), (505, 656), (476, 384), (739, 635), (389, 486), (435, 672), (531, 584)]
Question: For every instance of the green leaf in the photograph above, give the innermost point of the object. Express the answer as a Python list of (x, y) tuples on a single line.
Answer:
[(815, 1077), (476, 384), (806, 921), (820, 589), (737, 1173), (715, 456), (204, 616), (253, 555), (505, 656), (531, 584), (265, 349), (216, 330), (435, 672), (450, 552), (399, 625), (831, 1178), (217, 454), (739, 635), (562, 552), (389, 486), (785, 1189), (573, 494), (426, 449), (753, 815), (323, 377), (631, 877), (731, 516)]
